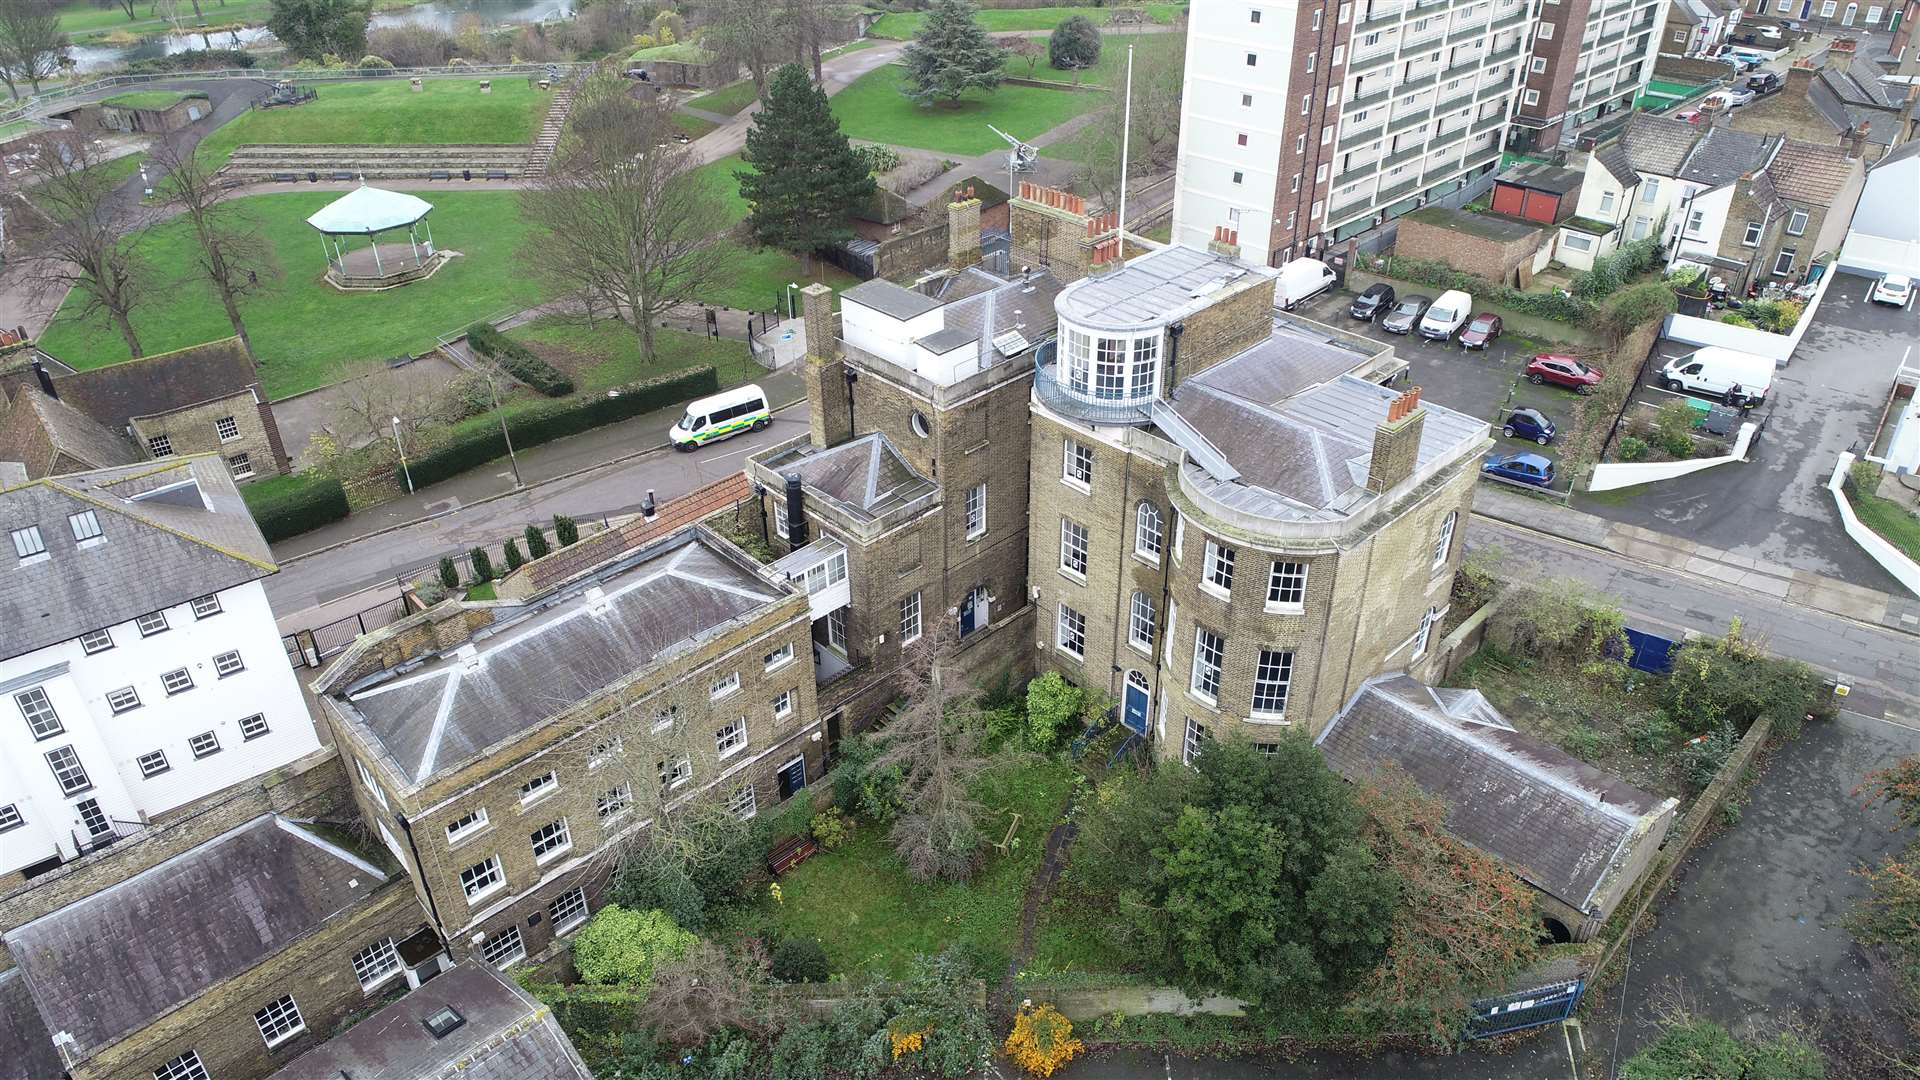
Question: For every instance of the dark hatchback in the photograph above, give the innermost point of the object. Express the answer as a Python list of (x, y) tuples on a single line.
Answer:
[(1405, 314), (1375, 300), (1480, 332), (1529, 424)]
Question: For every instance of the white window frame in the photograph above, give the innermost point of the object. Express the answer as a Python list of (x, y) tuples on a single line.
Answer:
[(614, 801), (1209, 665), (85, 526), (69, 772), (730, 738), (604, 751), (1068, 617), (1750, 237), (1424, 638), (910, 618), (783, 705), (1196, 737), (28, 543), (1272, 682), (228, 663), (778, 658), (36, 708), (1076, 459), (271, 1019), (1141, 615), (254, 726), (483, 879), (676, 773), (1283, 577), (376, 964), (1076, 545), (153, 622), (96, 641), (724, 687), (568, 911), (206, 607), (668, 717), (185, 1067), (467, 826), (1443, 541), (367, 781), (204, 745), (977, 511), (505, 949), (1149, 531), (159, 446), (1797, 223), (125, 699), (538, 787), (152, 763), (177, 681), (1216, 570), (557, 838), (10, 818), (227, 428), (744, 803), (240, 466)]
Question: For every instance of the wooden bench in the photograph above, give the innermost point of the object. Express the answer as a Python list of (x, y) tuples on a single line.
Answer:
[(1013, 827), (439, 174), (286, 177), (496, 174), (342, 174), (789, 853)]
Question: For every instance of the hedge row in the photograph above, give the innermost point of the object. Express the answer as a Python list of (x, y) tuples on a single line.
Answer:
[(518, 361), (1556, 306), (290, 505), (549, 420)]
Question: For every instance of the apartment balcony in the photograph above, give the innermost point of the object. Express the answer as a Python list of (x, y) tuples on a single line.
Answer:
[(1458, 101), (1461, 67), (1378, 17), (1418, 83), (1515, 18), (1495, 90), (1470, 30), (109, 832), (1360, 63), (1407, 154), (1481, 157), (1488, 123), (1402, 123), (1353, 205), (1447, 138), (1371, 133), (1425, 37), (1366, 101), (1387, 195), (1357, 172), (1505, 54)]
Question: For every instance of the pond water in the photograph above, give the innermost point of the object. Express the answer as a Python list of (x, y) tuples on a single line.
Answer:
[(442, 14)]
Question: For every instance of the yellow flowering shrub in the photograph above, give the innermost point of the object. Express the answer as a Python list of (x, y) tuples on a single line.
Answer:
[(906, 1042), (1042, 1040)]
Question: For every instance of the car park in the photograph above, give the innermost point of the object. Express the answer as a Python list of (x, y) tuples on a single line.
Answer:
[(1529, 424), (1405, 314), (1481, 331), (1522, 468), (1368, 305), (1302, 280), (1561, 370), (1892, 289), (1447, 315)]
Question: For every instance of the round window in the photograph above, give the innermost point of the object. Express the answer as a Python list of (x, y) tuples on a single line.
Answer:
[(920, 424)]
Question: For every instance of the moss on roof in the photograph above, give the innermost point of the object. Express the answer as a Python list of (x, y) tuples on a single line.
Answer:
[(1487, 226)]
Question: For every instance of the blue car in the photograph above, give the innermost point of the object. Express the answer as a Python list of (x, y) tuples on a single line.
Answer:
[(1529, 424), (1522, 468)]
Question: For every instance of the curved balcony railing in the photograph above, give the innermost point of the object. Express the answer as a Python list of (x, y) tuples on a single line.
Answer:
[(1058, 398)]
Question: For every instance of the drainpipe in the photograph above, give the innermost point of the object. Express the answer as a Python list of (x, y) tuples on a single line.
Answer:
[(419, 867)]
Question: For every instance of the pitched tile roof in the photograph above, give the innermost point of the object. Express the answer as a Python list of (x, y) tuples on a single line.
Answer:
[(108, 964), (26, 1049), (173, 529), (1808, 173), (865, 478), (663, 601), (1723, 155), (1558, 822), (1614, 158), (505, 1035), (70, 432), (152, 385), (1658, 145)]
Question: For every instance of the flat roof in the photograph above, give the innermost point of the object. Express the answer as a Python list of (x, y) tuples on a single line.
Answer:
[(1154, 287), (896, 301), (663, 601)]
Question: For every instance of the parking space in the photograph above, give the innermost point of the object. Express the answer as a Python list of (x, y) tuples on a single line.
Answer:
[(1487, 383), (1776, 508)]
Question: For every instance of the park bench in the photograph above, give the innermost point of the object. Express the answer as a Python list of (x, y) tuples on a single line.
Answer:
[(286, 177), (342, 174), (1005, 843), (789, 853), (496, 174), (439, 174)]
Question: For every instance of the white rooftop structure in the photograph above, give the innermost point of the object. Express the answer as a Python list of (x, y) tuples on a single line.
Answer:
[(368, 210)]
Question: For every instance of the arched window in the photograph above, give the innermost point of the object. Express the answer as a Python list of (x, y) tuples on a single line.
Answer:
[(1147, 531), (1443, 542)]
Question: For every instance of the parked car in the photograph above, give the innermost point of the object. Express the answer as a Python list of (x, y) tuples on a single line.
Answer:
[(1690, 116), (1771, 33), (1525, 468), (1893, 289), (1405, 314), (1766, 82), (1481, 331), (1448, 314), (1731, 98), (1563, 371), (1529, 424), (1376, 299)]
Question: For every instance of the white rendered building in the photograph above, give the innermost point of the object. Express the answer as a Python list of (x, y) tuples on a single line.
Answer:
[(140, 667)]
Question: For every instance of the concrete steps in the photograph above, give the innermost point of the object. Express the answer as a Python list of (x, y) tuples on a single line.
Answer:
[(550, 128), (263, 162)]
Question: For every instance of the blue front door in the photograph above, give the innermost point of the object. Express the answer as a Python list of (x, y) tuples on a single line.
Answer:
[(1134, 715)]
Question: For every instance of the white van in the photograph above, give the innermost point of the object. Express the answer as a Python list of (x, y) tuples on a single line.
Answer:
[(1301, 280), (1720, 372), (727, 413), (1447, 315)]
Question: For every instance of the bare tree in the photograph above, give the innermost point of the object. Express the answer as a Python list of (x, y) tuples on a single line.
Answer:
[(620, 219), (708, 990), (1158, 74), (234, 256), (742, 31), (935, 742), (805, 23), (31, 44), (123, 5), (87, 243)]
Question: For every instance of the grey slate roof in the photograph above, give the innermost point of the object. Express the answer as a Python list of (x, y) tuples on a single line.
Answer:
[(26, 1048), (1026, 306), (1153, 287), (161, 550), (69, 431), (947, 340), (663, 601), (1614, 158), (865, 478), (109, 964), (1558, 822), (1880, 124), (1658, 145), (153, 385), (1540, 177), (507, 1035), (890, 299), (1723, 155)]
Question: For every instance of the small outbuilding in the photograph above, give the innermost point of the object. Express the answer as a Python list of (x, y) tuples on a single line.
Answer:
[(368, 212), (1537, 192)]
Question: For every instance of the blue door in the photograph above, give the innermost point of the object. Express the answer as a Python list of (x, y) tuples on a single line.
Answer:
[(1134, 714)]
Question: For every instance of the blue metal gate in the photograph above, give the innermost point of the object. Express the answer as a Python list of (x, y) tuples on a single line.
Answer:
[(1528, 1008)]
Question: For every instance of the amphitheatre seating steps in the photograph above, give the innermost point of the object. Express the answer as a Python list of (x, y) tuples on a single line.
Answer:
[(260, 162)]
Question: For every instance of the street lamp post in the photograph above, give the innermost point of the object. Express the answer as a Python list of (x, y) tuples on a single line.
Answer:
[(512, 458), (791, 286), (398, 445)]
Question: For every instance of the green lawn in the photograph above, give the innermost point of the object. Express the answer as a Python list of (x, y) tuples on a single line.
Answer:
[(693, 125), (718, 176), (758, 274), (616, 349), (859, 903), (149, 99), (387, 112), (18, 127), (728, 99), (902, 25), (874, 109), (1899, 526), (304, 330), (849, 47), (1111, 69)]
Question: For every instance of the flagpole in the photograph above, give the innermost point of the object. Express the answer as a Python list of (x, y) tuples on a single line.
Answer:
[(1126, 139)]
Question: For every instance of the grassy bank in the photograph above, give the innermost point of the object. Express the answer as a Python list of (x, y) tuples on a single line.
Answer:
[(387, 112), (873, 108), (1895, 523)]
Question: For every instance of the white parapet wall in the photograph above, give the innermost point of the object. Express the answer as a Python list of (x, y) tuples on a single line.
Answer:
[(1627, 474), (1890, 558), (1776, 347)]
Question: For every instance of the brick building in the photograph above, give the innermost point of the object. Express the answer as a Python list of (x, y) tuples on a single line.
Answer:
[(1783, 214), (1495, 248), (204, 399), (1837, 99), (501, 749)]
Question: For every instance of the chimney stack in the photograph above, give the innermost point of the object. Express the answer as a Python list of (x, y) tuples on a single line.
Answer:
[(1396, 443), (1840, 54), (963, 230), (1857, 139), (46, 380), (1225, 242)]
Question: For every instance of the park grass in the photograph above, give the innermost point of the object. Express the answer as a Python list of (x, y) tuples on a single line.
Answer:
[(306, 333), (149, 99), (388, 113), (850, 47), (1895, 523), (693, 126), (1110, 71), (863, 909), (18, 127), (722, 186), (483, 591), (873, 108), (901, 26), (616, 349), (756, 277), (729, 99)]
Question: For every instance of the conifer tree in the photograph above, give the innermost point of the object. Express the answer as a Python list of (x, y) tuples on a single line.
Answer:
[(950, 56), (805, 178)]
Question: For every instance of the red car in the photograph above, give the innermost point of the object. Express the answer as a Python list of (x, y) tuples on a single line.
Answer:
[(1563, 371), (1480, 331)]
